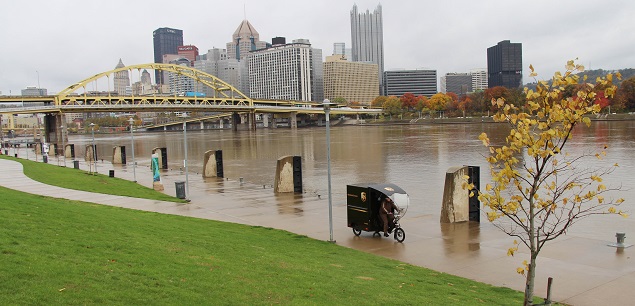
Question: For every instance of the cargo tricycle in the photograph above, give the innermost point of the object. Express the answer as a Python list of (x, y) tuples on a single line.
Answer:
[(363, 202)]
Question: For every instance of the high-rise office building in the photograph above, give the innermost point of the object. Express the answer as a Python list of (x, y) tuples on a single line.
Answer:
[(166, 41), (353, 81), (285, 72), (458, 83), (339, 48), (244, 40), (505, 65), (121, 79), (180, 84), (216, 63), (367, 38), (479, 79), (419, 82), (190, 52)]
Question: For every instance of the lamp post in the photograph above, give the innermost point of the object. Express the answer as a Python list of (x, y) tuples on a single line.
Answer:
[(327, 108), (134, 164), (187, 183), (63, 145), (92, 158)]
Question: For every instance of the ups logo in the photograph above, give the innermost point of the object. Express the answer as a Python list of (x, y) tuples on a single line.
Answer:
[(363, 196)]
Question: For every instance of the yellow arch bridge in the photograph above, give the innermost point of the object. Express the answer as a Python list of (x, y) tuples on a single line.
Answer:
[(224, 101)]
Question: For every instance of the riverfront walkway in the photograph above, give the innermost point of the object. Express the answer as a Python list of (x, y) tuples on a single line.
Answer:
[(585, 270)]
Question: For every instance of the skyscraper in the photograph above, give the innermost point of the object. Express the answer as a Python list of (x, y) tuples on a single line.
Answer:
[(245, 39), (286, 72), (121, 79), (166, 41), (505, 65), (367, 38)]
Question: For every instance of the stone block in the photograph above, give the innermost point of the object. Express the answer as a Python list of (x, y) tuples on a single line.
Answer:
[(456, 200)]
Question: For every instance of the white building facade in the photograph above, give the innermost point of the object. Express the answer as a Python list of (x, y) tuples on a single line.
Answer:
[(479, 79), (286, 72)]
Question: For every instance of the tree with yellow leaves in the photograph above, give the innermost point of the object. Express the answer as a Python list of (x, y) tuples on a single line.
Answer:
[(538, 190)]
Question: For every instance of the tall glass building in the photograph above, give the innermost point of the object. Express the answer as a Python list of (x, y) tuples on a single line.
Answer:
[(505, 65), (166, 41), (367, 38)]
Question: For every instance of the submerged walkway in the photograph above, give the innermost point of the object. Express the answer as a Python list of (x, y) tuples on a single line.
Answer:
[(585, 270)]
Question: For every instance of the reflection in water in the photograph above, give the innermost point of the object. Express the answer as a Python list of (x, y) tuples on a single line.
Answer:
[(415, 157), (460, 238), (289, 203)]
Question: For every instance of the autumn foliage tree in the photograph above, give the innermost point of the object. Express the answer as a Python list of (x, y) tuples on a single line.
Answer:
[(538, 188), (379, 101), (408, 101), (625, 96), (439, 102), (392, 105)]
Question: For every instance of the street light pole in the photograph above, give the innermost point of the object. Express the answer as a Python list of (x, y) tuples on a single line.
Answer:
[(92, 158), (134, 164), (327, 108), (187, 182)]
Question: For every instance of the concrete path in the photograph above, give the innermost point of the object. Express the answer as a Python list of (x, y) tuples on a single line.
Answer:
[(585, 270)]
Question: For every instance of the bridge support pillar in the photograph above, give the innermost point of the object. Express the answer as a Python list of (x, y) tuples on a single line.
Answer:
[(252, 121), (202, 125), (293, 120), (53, 134), (235, 121), (265, 120)]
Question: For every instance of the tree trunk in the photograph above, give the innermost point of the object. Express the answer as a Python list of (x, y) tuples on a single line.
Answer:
[(529, 284)]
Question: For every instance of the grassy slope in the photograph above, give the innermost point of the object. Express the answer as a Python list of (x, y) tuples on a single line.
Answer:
[(81, 180), (64, 252)]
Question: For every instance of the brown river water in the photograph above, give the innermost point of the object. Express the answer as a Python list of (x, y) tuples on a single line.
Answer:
[(415, 157)]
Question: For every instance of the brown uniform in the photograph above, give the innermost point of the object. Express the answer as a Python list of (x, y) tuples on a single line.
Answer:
[(386, 213)]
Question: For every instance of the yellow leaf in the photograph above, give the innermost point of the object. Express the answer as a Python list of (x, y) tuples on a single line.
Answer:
[(520, 271), (488, 187)]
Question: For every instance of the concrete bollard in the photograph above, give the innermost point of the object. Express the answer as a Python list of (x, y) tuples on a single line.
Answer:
[(91, 153), (213, 164), (288, 175), (119, 155), (69, 151), (52, 150), (455, 206), (162, 153)]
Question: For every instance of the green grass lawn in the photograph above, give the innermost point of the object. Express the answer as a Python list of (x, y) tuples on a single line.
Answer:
[(82, 180), (55, 251)]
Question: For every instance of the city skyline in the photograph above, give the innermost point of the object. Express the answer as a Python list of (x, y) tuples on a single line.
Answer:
[(447, 37)]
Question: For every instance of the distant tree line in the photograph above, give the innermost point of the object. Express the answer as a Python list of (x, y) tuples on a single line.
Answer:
[(479, 103)]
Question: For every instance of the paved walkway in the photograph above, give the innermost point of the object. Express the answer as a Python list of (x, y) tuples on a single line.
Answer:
[(585, 270)]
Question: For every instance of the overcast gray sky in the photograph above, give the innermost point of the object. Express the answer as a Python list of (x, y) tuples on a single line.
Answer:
[(67, 41)]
